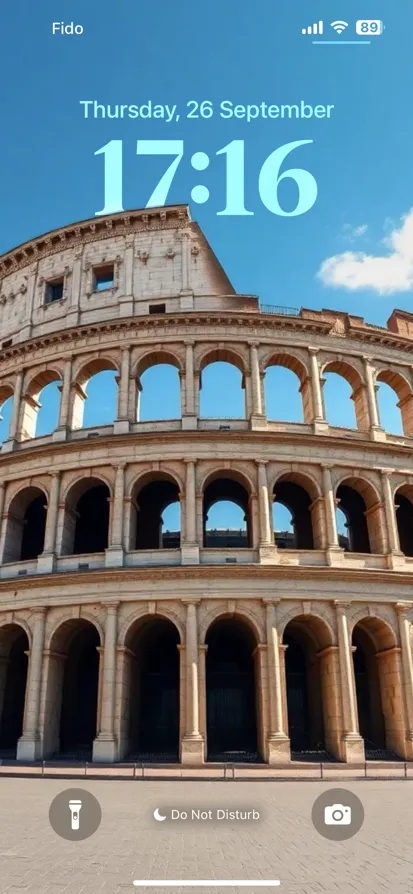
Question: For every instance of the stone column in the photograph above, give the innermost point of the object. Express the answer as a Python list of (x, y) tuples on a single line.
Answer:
[(352, 743), (407, 664), (258, 419), (16, 414), (264, 505), (318, 407), (186, 294), (114, 552), (192, 746), (375, 427), (189, 414), (278, 741), (65, 390), (334, 551), (29, 744), (105, 745), (46, 561), (122, 423), (390, 512), (190, 547)]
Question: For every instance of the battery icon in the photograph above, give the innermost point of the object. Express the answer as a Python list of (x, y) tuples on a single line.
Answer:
[(369, 27)]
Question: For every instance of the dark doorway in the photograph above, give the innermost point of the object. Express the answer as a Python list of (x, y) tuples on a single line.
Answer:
[(369, 704), (80, 694), (226, 491), (297, 696), (354, 508), (304, 693), (154, 728), (14, 681), (404, 516), (92, 521), (34, 525), (151, 502), (230, 692), (295, 498)]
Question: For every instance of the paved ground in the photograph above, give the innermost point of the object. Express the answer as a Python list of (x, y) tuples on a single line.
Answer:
[(130, 845)]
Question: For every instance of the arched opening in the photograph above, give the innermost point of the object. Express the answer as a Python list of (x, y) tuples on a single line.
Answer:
[(151, 673), (395, 402), (338, 403), (41, 405), (86, 523), (226, 515), (26, 525), (283, 392), (378, 688), (159, 393), (363, 523), (231, 687), (72, 690), (14, 646), (292, 498), (6, 410), (95, 395), (312, 689), (404, 515), (156, 508), (222, 393)]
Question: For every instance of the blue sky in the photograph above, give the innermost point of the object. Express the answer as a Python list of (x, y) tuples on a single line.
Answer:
[(361, 157)]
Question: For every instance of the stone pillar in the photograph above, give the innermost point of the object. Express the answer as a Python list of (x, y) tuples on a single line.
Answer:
[(190, 547), (376, 430), (278, 741), (352, 743), (267, 548), (390, 512), (186, 294), (122, 423), (319, 421), (258, 419), (65, 390), (16, 414), (114, 552), (29, 744), (189, 414), (46, 561), (407, 665), (334, 551), (105, 745), (192, 745)]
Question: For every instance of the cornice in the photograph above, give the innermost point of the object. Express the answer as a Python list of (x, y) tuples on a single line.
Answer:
[(171, 573), (97, 228)]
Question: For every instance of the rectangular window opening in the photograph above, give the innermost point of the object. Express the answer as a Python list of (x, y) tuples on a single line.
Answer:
[(157, 308), (54, 291), (104, 278)]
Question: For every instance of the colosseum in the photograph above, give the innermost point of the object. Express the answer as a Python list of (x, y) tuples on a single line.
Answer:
[(122, 641)]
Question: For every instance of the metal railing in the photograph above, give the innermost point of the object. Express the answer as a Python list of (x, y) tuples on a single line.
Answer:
[(279, 309)]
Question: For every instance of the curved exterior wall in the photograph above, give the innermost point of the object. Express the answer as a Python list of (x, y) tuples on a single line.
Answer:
[(159, 256)]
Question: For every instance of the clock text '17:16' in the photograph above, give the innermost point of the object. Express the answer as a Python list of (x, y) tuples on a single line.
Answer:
[(268, 180)]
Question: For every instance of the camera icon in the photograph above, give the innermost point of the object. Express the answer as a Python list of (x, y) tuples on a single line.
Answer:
[(337, 815)]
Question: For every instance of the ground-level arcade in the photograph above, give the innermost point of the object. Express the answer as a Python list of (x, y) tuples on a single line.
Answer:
[(197, 680)]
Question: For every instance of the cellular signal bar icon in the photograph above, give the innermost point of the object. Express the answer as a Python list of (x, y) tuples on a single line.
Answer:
[(317, 28)]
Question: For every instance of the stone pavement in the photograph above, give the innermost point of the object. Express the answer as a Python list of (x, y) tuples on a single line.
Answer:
[(130, 845)]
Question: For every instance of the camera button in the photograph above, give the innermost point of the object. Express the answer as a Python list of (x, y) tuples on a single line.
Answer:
[(337, 814)]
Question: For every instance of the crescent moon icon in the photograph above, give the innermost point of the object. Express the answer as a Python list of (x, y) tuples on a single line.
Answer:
[(158, 816)]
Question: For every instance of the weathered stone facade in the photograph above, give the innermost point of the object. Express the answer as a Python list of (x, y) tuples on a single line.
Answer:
[(318, 593)]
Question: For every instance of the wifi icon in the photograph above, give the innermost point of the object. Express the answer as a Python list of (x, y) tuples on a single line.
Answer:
[(339, 27)]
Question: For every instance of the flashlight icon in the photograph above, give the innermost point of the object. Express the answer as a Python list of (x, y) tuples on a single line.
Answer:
[(75, 808)]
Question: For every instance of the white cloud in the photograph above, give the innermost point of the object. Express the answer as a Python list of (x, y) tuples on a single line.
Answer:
[(384, 274), (352, 233)]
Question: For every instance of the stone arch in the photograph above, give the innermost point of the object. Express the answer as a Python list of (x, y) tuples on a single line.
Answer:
[(312, 684), (143, 477), (142, 614), (297, 366), (321, 620), (360, 502), (349, 371), (150, 721), (25, 523), (300, 494), (37, 381), (228, 486), (224, 355), (403, 501), (244, 613), (83, 477), (403, 389), (84, 370), (378, 684), (236, 472), (70, 709), (14, 646), (86, 516), (153, 357), (16, 622), (151, 494)]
